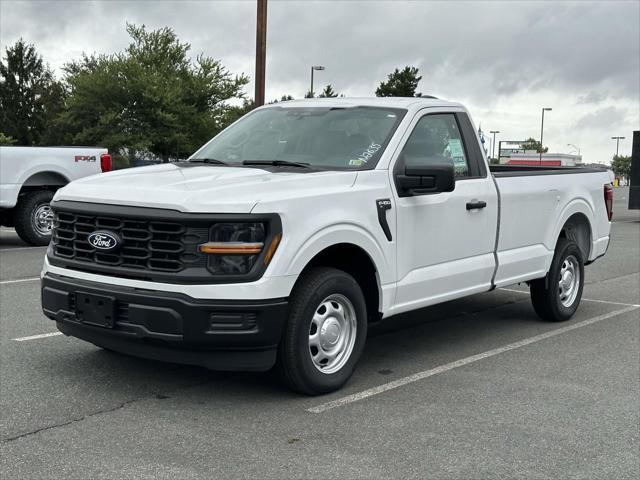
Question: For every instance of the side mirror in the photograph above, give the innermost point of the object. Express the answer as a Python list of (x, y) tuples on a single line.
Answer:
[(426, 179)]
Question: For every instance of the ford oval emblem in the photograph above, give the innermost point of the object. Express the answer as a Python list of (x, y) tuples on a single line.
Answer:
[(105, 241)]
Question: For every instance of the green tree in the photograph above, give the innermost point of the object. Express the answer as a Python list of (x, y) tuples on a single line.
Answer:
[(533, 144), (233, 113), (621, 166), (400, 83), (283, 98), (151, 99), (54, 99), (30, 96), (6, 140), (328, 92)]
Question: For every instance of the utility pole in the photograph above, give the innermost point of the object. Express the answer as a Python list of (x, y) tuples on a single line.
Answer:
[(493, 145), (314, 67), (544, 109), (617, 139), (261, 51)]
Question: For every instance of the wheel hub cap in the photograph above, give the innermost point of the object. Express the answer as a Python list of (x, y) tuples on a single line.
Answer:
[(569, 282), (43, 220), (332, 333)]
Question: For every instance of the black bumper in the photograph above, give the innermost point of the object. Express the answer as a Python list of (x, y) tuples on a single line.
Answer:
[(171, 327)]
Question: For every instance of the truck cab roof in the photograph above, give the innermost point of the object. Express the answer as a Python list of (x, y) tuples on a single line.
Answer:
[(409, 103)]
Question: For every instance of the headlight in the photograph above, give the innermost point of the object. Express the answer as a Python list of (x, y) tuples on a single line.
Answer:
[(234, 248)]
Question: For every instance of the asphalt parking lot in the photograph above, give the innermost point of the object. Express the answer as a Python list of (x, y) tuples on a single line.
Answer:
[(475, 388)]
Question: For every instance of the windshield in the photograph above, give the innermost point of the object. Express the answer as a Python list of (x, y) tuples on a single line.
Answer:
[(332, 138)]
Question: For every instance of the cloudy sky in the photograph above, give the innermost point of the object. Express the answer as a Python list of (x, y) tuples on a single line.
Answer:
[(504, 60)]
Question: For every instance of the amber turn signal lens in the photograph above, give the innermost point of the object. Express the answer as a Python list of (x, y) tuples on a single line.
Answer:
[(231, 248), (272, 248)]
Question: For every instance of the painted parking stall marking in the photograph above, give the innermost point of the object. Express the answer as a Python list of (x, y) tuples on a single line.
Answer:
[(20, 280), (583, 299), (340, 402), (12, 249), (36, 337)]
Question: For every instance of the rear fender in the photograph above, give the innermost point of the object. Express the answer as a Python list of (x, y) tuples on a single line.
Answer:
[(576, 206)]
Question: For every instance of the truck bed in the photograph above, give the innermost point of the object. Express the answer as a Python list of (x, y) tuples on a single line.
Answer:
[(534, 203), (525, 170)]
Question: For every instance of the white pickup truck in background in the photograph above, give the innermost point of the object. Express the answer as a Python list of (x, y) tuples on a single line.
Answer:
[(29, 177), (281, 239)]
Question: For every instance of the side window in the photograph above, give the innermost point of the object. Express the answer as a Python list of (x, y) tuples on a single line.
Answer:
[(434, 139)]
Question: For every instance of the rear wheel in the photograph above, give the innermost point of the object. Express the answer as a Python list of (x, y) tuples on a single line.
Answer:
[(325, 333), (34, 218), (557, 296)]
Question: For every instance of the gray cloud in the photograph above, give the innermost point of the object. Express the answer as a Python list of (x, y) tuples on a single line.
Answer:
[(591, 97), (611, 116), (504, 59)]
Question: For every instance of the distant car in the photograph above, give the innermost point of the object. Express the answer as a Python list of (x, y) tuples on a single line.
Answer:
[(30, 176)]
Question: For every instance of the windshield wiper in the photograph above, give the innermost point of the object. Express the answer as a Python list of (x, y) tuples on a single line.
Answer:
[(212, 161), (276, 163)]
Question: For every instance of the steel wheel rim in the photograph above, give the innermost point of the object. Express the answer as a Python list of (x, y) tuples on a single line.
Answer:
[(42, 219), (332, 333), (569, 281)]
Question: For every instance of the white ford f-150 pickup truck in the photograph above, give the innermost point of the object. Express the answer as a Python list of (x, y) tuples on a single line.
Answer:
[(29, 177), (281, 239)]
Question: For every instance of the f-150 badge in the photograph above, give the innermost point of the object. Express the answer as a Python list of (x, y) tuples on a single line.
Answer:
[(383, 205)]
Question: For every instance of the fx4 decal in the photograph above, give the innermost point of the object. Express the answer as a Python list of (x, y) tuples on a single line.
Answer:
[(85, 158)]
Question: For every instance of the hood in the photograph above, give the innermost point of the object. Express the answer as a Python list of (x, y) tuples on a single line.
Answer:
[(201, 188)]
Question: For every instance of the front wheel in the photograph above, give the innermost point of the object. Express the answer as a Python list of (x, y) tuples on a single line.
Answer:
[(557, 296), (325, 332)]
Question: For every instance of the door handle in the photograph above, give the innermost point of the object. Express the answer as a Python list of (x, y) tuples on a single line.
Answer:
[(476, 205)]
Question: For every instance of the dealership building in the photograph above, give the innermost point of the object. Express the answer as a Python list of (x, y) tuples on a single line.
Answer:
[(512, 153), (531, 157)]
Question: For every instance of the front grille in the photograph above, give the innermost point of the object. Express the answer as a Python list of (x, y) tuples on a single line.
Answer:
[(148, 245), (157, 245)]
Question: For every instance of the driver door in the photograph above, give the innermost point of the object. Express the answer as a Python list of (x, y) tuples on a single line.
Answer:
[(446, 240)]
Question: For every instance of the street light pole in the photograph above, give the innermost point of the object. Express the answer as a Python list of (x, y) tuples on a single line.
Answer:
[(493, 145), (544, 109), (314, 67), (617, 139)]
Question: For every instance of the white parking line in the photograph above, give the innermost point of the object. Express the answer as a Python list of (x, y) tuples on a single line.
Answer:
[(20, 280), (36, 337), (18, 248), (462, 362), (582, 299)]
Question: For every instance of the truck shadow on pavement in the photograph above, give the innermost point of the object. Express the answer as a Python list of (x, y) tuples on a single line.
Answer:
[(403, 343), (9, 239)]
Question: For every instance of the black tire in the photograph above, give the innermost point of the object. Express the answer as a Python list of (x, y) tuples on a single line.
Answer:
[(546, 293), (295, 364), (26, 209)]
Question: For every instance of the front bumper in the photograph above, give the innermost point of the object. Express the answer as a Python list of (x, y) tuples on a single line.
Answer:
[(172, 327)]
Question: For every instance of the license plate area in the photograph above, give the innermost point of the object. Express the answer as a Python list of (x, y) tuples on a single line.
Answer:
[(97, 310)]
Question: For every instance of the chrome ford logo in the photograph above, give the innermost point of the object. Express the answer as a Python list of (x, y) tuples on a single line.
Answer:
[(106, 241)]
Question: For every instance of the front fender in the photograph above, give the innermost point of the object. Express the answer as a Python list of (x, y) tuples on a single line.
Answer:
[(336, 234)]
